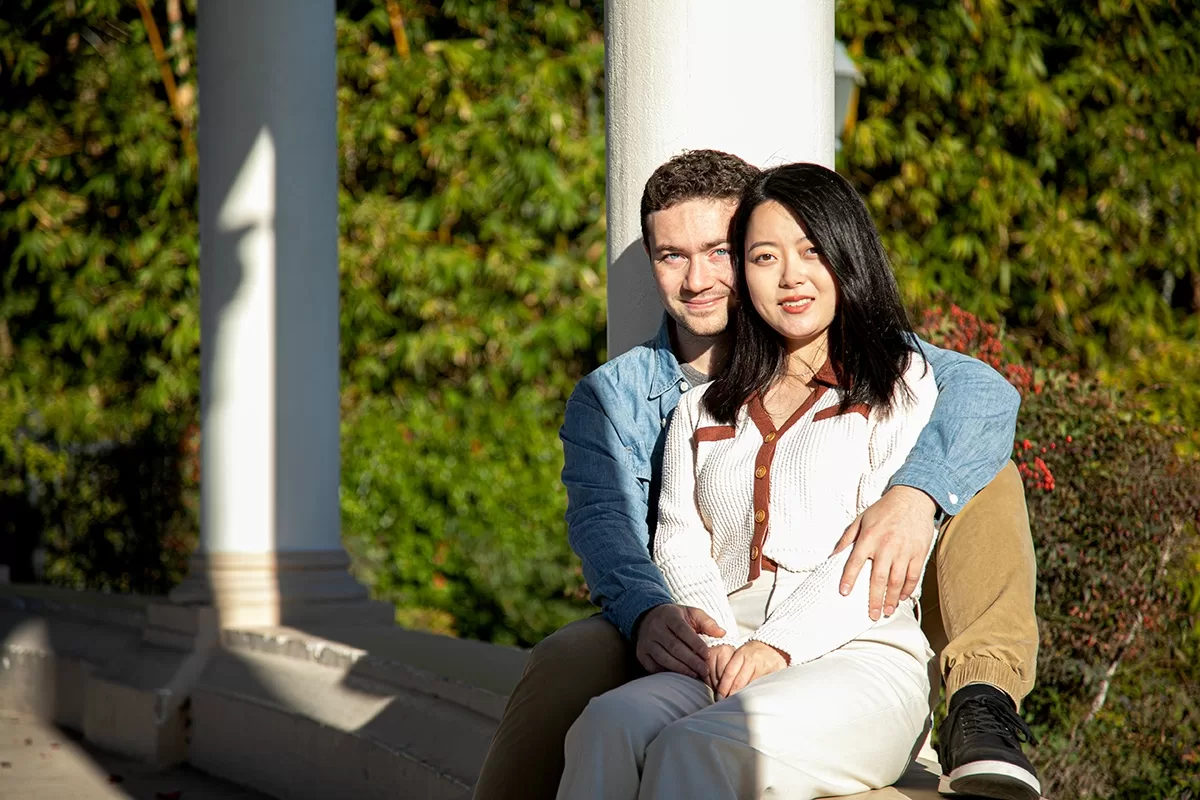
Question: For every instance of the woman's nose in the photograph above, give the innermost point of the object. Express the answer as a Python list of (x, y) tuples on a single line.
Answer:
[(792, 275)]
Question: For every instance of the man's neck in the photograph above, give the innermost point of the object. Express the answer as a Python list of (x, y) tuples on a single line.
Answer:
[(703, 353)]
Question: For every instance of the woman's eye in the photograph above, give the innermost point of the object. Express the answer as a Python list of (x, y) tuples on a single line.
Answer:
[(762, 258), (812, 251)]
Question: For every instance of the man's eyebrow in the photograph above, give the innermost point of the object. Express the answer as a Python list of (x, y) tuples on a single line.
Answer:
[(667, 247)]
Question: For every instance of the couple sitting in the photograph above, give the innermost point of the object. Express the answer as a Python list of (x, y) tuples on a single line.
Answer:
[(743, 649)]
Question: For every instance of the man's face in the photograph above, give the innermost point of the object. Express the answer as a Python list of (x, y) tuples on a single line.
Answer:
[(689, 249)]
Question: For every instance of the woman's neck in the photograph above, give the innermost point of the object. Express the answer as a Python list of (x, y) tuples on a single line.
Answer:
[(806, 357)]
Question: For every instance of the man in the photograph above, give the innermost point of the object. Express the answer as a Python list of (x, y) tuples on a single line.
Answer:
[(981, 585)]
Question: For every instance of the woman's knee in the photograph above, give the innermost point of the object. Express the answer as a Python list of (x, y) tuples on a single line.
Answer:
[(685, 738)]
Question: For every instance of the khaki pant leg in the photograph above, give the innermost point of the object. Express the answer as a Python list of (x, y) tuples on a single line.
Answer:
[(566, 670), (977, 600)]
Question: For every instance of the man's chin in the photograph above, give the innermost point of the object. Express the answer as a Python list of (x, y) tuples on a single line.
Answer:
[(705, 327)]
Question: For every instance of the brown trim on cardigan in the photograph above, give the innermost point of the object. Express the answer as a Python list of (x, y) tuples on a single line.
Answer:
[(715, 433), (836, 411), (762, 469)]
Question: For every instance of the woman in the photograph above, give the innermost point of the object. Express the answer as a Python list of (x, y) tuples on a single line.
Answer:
[(763, 470)]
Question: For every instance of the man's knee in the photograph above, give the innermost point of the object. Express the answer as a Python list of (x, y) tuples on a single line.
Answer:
[(589, 655)]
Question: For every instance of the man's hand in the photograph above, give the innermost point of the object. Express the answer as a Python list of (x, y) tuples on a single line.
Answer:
[(667, 640), (718, 658), (895, 533), (751, 661)]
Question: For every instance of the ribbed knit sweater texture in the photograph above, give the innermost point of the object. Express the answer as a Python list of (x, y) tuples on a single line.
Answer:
[(732, 495)]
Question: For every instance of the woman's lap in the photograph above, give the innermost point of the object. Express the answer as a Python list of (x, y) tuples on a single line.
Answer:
[(848, 721)]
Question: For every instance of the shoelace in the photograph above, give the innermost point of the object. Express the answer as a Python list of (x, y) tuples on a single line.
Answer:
[(991, 715)]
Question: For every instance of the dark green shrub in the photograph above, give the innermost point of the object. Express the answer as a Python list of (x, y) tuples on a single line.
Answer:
[(452, 509), (1114, 510)]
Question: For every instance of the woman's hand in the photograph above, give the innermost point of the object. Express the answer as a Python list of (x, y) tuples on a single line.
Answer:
[(718, 657), (751, 661)]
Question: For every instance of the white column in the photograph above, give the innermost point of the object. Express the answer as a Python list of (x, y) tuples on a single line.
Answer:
[(753, 78), (270, 545)]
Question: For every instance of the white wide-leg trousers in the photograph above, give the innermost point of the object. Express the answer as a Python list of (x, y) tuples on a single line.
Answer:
[(847, 722)]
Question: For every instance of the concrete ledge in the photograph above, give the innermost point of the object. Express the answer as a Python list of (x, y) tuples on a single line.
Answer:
[(340, 735), (293, 713), (390, 661), (335, 710)]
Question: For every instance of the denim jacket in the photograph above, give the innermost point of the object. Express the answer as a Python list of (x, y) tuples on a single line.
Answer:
[(613, 436)]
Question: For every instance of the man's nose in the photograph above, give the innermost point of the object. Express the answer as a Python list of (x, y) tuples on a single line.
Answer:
[(698, 278)]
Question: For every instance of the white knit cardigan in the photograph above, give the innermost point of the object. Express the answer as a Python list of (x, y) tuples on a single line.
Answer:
[(733, 495)]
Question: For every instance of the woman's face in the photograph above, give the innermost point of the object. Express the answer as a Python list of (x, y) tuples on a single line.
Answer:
[(790, 283)]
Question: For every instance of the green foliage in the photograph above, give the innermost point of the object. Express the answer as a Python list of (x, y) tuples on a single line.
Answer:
[(99, 326), (453, 510), (1037, 162), (472, 300), (473, 200)]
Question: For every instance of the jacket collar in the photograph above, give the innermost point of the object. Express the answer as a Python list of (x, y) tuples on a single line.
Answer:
[(664, 366)]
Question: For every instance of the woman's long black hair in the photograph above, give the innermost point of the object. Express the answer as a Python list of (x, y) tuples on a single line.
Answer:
[(869, 344)]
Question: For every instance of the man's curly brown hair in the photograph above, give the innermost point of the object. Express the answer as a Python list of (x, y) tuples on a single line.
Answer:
[(695, 175)]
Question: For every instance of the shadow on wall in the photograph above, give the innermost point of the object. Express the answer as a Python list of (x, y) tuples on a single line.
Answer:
[(634, 310)]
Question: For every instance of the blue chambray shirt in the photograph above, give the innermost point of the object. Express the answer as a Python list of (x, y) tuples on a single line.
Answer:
[(613, 438)]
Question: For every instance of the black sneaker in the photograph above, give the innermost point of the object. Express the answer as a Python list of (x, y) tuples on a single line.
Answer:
[(980, 747)]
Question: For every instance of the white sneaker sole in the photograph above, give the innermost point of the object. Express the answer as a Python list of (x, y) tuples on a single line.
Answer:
[(994, 779)]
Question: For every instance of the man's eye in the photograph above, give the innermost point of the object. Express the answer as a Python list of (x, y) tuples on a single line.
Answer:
[(721, 252), (671, 257)]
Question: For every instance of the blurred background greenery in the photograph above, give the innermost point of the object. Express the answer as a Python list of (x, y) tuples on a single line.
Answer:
[(1033, 167)]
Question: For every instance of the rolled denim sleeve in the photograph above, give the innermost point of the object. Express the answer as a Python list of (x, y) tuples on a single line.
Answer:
[(970, 436), (607, 513)]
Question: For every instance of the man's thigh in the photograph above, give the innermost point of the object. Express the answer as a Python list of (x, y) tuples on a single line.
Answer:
[(567, 669), (978, 595)]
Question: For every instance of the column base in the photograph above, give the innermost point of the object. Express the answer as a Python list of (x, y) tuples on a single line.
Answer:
[(282, 588)]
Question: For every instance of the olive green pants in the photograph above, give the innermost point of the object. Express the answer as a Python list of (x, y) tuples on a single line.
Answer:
[(977, 611)]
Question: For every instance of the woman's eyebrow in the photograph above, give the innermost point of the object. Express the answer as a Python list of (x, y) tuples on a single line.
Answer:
[(762, 244)]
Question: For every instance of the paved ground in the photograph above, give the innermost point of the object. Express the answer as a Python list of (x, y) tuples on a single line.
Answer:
[(41, 762)]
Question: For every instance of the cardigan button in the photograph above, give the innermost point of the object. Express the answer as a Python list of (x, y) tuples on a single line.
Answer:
[(761, 472), (753, 553), (770, 437), (760, 515)]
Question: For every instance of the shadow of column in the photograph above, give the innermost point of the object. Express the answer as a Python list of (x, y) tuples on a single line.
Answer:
[(634, 308)]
